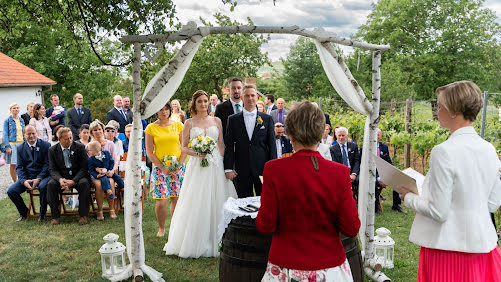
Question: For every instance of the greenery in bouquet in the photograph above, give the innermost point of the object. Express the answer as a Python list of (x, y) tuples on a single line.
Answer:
[(171, 163), (202, 145)]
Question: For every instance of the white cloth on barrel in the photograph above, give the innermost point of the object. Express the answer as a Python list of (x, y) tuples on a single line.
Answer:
[(231, 211)]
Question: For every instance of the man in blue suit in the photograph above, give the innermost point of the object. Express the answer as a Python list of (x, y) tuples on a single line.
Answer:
[(56, 119), (123, 117), (32, 171)]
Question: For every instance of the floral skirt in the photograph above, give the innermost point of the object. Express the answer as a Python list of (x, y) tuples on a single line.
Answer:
[(340, 273), (163, 186)]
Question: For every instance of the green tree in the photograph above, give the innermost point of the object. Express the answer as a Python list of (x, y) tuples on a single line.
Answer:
[(221, 57), (435, 42), (303, 74)]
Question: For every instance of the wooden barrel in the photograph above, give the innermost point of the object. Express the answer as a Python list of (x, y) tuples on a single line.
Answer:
[(244, 252), (354, 256)]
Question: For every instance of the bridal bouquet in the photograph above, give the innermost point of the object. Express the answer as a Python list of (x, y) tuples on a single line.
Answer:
[(202, 145), (171, 163)]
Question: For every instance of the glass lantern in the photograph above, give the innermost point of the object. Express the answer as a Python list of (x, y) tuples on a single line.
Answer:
[(384, 247), (112, 256)]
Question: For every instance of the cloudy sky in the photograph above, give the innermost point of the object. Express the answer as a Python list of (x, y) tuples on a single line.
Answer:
[(340, 16)]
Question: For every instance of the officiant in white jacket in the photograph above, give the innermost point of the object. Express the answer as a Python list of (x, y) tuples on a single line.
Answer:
[(453, 225)]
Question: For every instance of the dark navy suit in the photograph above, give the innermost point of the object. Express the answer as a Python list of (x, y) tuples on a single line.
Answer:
[(108, 163), (31, 166), (114, 114), (286, 145)]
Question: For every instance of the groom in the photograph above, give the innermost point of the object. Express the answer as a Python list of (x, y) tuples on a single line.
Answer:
[(250, 143)]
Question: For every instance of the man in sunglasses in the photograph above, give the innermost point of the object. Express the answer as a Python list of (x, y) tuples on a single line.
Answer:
[(284, 146)]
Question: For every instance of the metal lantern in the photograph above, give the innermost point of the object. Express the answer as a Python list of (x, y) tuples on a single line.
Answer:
[(112, 256), (384, 247)]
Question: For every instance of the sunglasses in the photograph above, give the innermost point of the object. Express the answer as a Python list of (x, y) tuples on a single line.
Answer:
[(110, 130), (278, 126)]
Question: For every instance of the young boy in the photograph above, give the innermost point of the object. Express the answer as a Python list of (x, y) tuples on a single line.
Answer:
[(99, 163)]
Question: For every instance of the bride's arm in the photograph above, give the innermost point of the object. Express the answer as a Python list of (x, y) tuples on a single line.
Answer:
[(186, 139), (220, 141)]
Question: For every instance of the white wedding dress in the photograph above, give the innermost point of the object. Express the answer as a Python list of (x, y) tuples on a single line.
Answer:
[(199, 210)]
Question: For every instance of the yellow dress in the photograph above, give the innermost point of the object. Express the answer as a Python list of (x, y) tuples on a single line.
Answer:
[(166, 142)]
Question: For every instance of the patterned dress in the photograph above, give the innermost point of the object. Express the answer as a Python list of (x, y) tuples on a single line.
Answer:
[(166, 141)]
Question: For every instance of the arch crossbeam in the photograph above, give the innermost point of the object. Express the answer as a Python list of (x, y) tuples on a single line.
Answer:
[(318, 34)]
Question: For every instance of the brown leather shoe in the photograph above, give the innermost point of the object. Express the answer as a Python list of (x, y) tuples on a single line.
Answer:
[(83, 220), (54, 221)]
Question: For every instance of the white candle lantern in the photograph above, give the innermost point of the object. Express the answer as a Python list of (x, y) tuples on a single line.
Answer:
[(112, 256), (384, 247)]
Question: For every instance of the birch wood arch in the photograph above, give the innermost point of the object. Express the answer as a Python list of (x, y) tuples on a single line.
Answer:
[(165, 83)]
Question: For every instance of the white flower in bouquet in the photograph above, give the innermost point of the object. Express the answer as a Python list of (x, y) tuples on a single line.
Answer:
[(171, 163), (202, 145)]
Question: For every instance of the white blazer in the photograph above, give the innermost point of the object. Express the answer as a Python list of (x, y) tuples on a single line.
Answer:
[(462, 187)]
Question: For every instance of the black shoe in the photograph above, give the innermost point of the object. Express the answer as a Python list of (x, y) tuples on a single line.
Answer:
[(41, 218), (398, 209), (21, 218), (382, 198)]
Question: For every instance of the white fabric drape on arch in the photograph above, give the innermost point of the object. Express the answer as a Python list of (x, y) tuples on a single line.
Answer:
[(347, 91)]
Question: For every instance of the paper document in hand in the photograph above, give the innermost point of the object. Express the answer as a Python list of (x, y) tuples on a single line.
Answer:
[(416, 175), (393, 177)]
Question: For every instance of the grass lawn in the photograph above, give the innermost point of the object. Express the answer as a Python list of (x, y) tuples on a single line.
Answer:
[(30, 251)]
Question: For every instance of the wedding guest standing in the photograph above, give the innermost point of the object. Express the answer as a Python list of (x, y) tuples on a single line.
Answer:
[(326, 138), (260, 107), (13, 128), (453, 225), (234, 105), (78, 115), (97, 134), (56, 113), (41, 123), (29, 113), (163, 139), (177, 113), (306, 240)]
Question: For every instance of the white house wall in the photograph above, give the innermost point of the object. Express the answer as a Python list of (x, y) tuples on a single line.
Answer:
[(19, 95)]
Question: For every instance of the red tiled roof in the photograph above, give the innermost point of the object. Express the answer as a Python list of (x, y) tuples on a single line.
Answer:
[(13, 73)]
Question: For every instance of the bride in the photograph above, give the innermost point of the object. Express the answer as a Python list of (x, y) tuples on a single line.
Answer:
[(193, 228)]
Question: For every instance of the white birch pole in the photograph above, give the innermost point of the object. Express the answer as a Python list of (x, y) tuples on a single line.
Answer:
[(133, 184), (322, 36), (369, 151)]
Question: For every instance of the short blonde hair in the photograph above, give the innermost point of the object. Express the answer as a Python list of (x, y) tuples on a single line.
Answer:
[(95, 145), (11, 106), (95, 124), (462, 97), (305, 124)]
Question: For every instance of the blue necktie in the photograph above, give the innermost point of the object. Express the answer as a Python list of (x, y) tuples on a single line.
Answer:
[(345, 156), (79, 112), (66, 156)]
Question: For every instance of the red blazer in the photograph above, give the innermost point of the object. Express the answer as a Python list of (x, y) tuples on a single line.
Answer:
[(305, 209)]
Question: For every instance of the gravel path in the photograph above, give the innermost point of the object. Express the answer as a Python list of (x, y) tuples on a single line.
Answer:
[(5, 181)]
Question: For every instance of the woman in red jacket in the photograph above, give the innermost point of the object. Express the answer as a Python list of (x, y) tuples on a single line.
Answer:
[(306, 201)]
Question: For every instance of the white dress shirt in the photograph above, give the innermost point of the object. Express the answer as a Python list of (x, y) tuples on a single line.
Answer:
[(269, 109), (460, 190), (279, 147), (235, 108), (250, 121)]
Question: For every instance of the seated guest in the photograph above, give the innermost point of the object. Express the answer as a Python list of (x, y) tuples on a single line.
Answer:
[(283, 144), (128, 130), (54, 139), (99, 163), (111, 134), (306, 237), (32, 172), (84, 135), (346, 153), (326, 138), (68, 169)]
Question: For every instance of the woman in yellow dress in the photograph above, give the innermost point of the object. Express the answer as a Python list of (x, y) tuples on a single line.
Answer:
[(163, 139), (177, 113)]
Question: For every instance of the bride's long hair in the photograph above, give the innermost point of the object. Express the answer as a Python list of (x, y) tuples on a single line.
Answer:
[(193, 106)]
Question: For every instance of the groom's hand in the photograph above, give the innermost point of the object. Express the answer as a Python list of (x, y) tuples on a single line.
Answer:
[(231, 174)]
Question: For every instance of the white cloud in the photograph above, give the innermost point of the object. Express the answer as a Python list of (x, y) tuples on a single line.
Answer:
[(343, 17)]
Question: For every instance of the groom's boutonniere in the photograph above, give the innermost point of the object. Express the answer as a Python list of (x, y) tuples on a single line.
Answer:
[(259, 121)]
